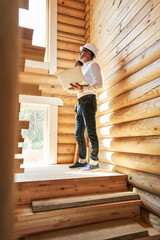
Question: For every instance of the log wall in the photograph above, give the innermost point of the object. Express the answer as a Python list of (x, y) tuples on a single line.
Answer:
[(128, 119), (72, 32)]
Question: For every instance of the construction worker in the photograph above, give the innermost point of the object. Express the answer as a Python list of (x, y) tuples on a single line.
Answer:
[(87, 107)]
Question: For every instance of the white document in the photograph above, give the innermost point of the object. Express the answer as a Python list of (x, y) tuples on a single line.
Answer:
[(72, 75)]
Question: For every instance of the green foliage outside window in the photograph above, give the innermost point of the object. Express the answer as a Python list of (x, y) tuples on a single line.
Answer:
[(34, 136)]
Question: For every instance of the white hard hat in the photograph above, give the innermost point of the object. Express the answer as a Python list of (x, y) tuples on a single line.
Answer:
[(90, 47)]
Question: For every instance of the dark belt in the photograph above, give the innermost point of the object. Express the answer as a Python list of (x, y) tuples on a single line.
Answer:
[(92, 96)]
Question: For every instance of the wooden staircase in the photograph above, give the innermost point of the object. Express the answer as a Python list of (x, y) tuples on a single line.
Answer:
[(94, 207)]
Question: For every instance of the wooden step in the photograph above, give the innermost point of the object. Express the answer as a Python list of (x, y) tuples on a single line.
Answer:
[(81, 200), (157, 237), (28, 222), (122, 229), (33, 190)]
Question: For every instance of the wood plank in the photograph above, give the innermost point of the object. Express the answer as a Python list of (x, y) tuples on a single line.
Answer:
[(24, 4), (29, 191), (81, 200), (68, 46), (38, 222), (35, 78), (32, 52), (124, 229)]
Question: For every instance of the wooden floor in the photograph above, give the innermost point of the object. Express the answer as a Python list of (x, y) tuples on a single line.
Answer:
[(54, 172)]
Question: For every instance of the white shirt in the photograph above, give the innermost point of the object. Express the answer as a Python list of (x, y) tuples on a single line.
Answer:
[(92, 74)]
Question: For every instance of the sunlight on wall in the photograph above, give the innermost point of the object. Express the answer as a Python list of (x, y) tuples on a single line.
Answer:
[(102, 96), (103, 107), (105, 130), (105, 118), (35, 18)]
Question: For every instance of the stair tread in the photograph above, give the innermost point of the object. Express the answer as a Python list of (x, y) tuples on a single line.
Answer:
[(110, 230), (81, 200), (155, 237)]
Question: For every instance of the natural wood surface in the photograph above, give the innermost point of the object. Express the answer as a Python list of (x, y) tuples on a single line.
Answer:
[(150, 218), (64, 218), (70, 11), (140, 94), (141, 162), (150, 201), (124, 229), (145, 145), (144, 127), (81, 200), (143, 180)]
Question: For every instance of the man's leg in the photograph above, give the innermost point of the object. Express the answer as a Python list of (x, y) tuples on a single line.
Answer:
[(89, 113), (79, 134)]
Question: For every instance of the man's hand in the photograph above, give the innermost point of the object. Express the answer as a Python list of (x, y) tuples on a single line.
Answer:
[(76, 87), (78, 63)]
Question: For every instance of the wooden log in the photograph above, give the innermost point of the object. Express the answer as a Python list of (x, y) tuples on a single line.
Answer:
[(63, 119), (65, 158), (66, 110), (66, 138), (66, 148), (145, 92), (35, 78), (75, 47), (145, 45), (144, 145), (132, 24), (70, 12), (63, 27), (150, 218), (132, 44), (138, 111), (141, 162), (145, 58), (69, 100), (72, 4), (64, 54), (65, 63), (36, 70), (66, 128), (72, 38), (150, 201), (145, 127), (70, 20), (139, 78), (146, 181)]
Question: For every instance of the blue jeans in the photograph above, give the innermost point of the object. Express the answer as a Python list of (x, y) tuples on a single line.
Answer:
[(85, 119)]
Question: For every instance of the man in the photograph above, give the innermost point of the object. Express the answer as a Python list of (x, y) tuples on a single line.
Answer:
[(87, 107)]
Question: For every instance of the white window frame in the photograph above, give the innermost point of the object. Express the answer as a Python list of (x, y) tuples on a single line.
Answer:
[(52, 104), (52, 64)]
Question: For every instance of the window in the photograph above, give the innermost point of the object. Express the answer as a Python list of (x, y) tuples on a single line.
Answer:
[(35, 150), (42, 18), (40, 146), (35, 18)]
